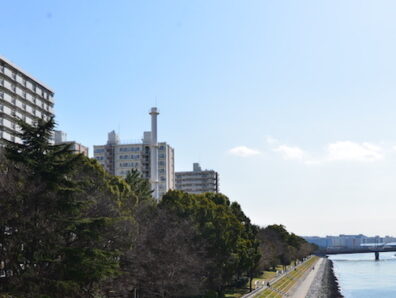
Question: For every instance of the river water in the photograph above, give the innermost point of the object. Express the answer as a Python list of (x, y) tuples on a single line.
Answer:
[(359, 276)]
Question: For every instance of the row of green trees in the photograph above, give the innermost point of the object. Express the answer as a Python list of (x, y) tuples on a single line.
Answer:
[(70, 229), (279, 247)]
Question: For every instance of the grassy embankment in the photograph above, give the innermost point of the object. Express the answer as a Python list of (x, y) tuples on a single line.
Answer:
[(284, 284), (266, 276)]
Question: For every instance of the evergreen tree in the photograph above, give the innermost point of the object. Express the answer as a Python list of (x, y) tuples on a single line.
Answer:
[(139, 186), (230, 240), (54, 243)]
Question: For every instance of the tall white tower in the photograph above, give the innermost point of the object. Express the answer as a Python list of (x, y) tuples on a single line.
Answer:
[(154, 153)]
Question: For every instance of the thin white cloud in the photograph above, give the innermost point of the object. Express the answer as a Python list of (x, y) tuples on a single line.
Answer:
[(271, 140), (351, 151), (340, 151), (290, 153), (347, 151), (243, 151)]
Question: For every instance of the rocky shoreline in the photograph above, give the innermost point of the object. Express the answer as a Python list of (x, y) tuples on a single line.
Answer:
[(325, 284)]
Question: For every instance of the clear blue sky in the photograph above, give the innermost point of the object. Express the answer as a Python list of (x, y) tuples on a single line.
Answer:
[(293, 102)]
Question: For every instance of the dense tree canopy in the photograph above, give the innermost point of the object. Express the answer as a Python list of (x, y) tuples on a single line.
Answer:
[(58, 217), (70, 229), (229, 236)]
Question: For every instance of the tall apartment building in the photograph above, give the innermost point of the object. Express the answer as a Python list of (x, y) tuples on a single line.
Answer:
[(155, 161), (21, 96), (60, 137), (197, 181)]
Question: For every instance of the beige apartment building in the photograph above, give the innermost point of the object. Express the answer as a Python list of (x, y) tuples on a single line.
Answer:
[(197, 181), (21, 96), (60, 137)]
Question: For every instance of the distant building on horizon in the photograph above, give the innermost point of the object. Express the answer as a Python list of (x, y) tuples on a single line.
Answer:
[(347, 241), (21, 96), (197, 181), (60, 137), (155, 161)]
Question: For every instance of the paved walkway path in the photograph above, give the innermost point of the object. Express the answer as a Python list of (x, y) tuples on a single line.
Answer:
[(258, 290), (304, 286)]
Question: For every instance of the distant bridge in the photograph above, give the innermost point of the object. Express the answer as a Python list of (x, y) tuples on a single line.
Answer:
[(376, 248)]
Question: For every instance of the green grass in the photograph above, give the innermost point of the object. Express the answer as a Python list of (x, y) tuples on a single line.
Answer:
[(269, 274), (266, 276), (237, 293)]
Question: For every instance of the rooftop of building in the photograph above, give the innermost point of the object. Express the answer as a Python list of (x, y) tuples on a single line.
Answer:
[(196, 169), (114, 140), (130, 143), (17, 68)]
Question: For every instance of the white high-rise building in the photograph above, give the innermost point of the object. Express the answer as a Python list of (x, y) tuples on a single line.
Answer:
[(154, 160), (21, 96)]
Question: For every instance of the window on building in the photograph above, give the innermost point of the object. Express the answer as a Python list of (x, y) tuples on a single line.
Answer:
[(99, 150)]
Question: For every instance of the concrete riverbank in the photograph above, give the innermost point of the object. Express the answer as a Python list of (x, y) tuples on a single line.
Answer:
[(318, 281), (325, 284)]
